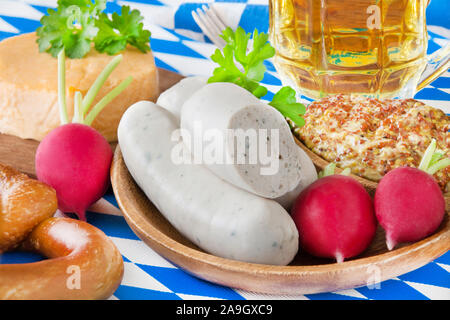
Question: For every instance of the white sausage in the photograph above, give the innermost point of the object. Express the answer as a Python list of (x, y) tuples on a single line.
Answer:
[(173, 98), (218, 217), (309, 175), (226, 107)]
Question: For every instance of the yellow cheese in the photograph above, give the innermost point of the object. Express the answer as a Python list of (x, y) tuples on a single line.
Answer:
[(28, 87)]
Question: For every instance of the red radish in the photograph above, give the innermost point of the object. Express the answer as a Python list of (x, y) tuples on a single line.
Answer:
[(74, 158), (409, 203), (335, 217)]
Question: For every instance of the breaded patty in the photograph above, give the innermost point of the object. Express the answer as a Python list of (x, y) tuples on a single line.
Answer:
[(371, 137)]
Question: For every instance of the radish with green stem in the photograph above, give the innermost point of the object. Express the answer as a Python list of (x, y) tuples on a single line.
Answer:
[(74, 158), (409, 203)]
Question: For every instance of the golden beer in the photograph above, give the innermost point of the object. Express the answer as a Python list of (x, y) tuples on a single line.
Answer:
[(372, 47)]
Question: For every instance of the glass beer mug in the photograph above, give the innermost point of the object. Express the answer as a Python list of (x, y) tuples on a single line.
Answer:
[(376, 48)]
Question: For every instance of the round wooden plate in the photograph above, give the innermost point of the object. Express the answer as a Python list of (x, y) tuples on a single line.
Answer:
[(304, 275)]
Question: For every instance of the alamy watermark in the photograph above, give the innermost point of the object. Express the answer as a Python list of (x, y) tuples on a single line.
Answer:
[(374, 277), (73, 281), (229, 146), (374, 20)]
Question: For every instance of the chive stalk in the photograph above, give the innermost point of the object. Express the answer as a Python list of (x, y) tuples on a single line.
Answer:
[(62, 87), (82, 105), (427, 156), (346, 172), (438, 154), (98, 83), (77, 112), (105, 100), (431, 161), (441, 164), (329, 170)]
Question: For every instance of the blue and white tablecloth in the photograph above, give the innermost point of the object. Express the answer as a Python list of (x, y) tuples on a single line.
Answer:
[(179, 45)]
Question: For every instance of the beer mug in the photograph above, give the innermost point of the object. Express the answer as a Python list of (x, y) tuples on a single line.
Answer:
[(376, 48)]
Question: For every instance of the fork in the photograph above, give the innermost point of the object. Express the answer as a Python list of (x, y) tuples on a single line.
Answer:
[(209, 22)]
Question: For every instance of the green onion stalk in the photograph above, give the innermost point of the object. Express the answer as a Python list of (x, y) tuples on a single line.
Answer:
[(82, 105)]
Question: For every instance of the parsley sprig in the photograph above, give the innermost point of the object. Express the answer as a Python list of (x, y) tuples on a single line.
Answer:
[(251, 69), (285, 102), (76, 24), (245, 67), (114, 34)]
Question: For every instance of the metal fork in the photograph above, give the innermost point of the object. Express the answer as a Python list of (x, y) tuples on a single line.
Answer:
[(209, 22)]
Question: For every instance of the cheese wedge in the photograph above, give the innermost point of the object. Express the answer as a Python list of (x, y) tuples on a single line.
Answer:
[(28, 87)]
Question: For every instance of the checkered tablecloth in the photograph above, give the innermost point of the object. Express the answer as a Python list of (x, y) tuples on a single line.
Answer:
[(179, 45)]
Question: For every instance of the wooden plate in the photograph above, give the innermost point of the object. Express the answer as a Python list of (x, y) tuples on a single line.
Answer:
[(304, 275)]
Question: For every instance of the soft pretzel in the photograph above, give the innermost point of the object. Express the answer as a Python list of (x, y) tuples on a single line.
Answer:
[(83, 264), (24, 203)]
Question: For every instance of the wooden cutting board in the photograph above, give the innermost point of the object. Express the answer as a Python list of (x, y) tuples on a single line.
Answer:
[(19, 153)]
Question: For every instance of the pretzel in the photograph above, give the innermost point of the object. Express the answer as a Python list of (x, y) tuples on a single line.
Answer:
[(24, 203), (83, 262)]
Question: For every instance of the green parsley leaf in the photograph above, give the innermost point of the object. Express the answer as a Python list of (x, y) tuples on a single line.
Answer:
[(244, 67), (250, 68), (71, 26), (75, 24), (286, 103), (114, 34)]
